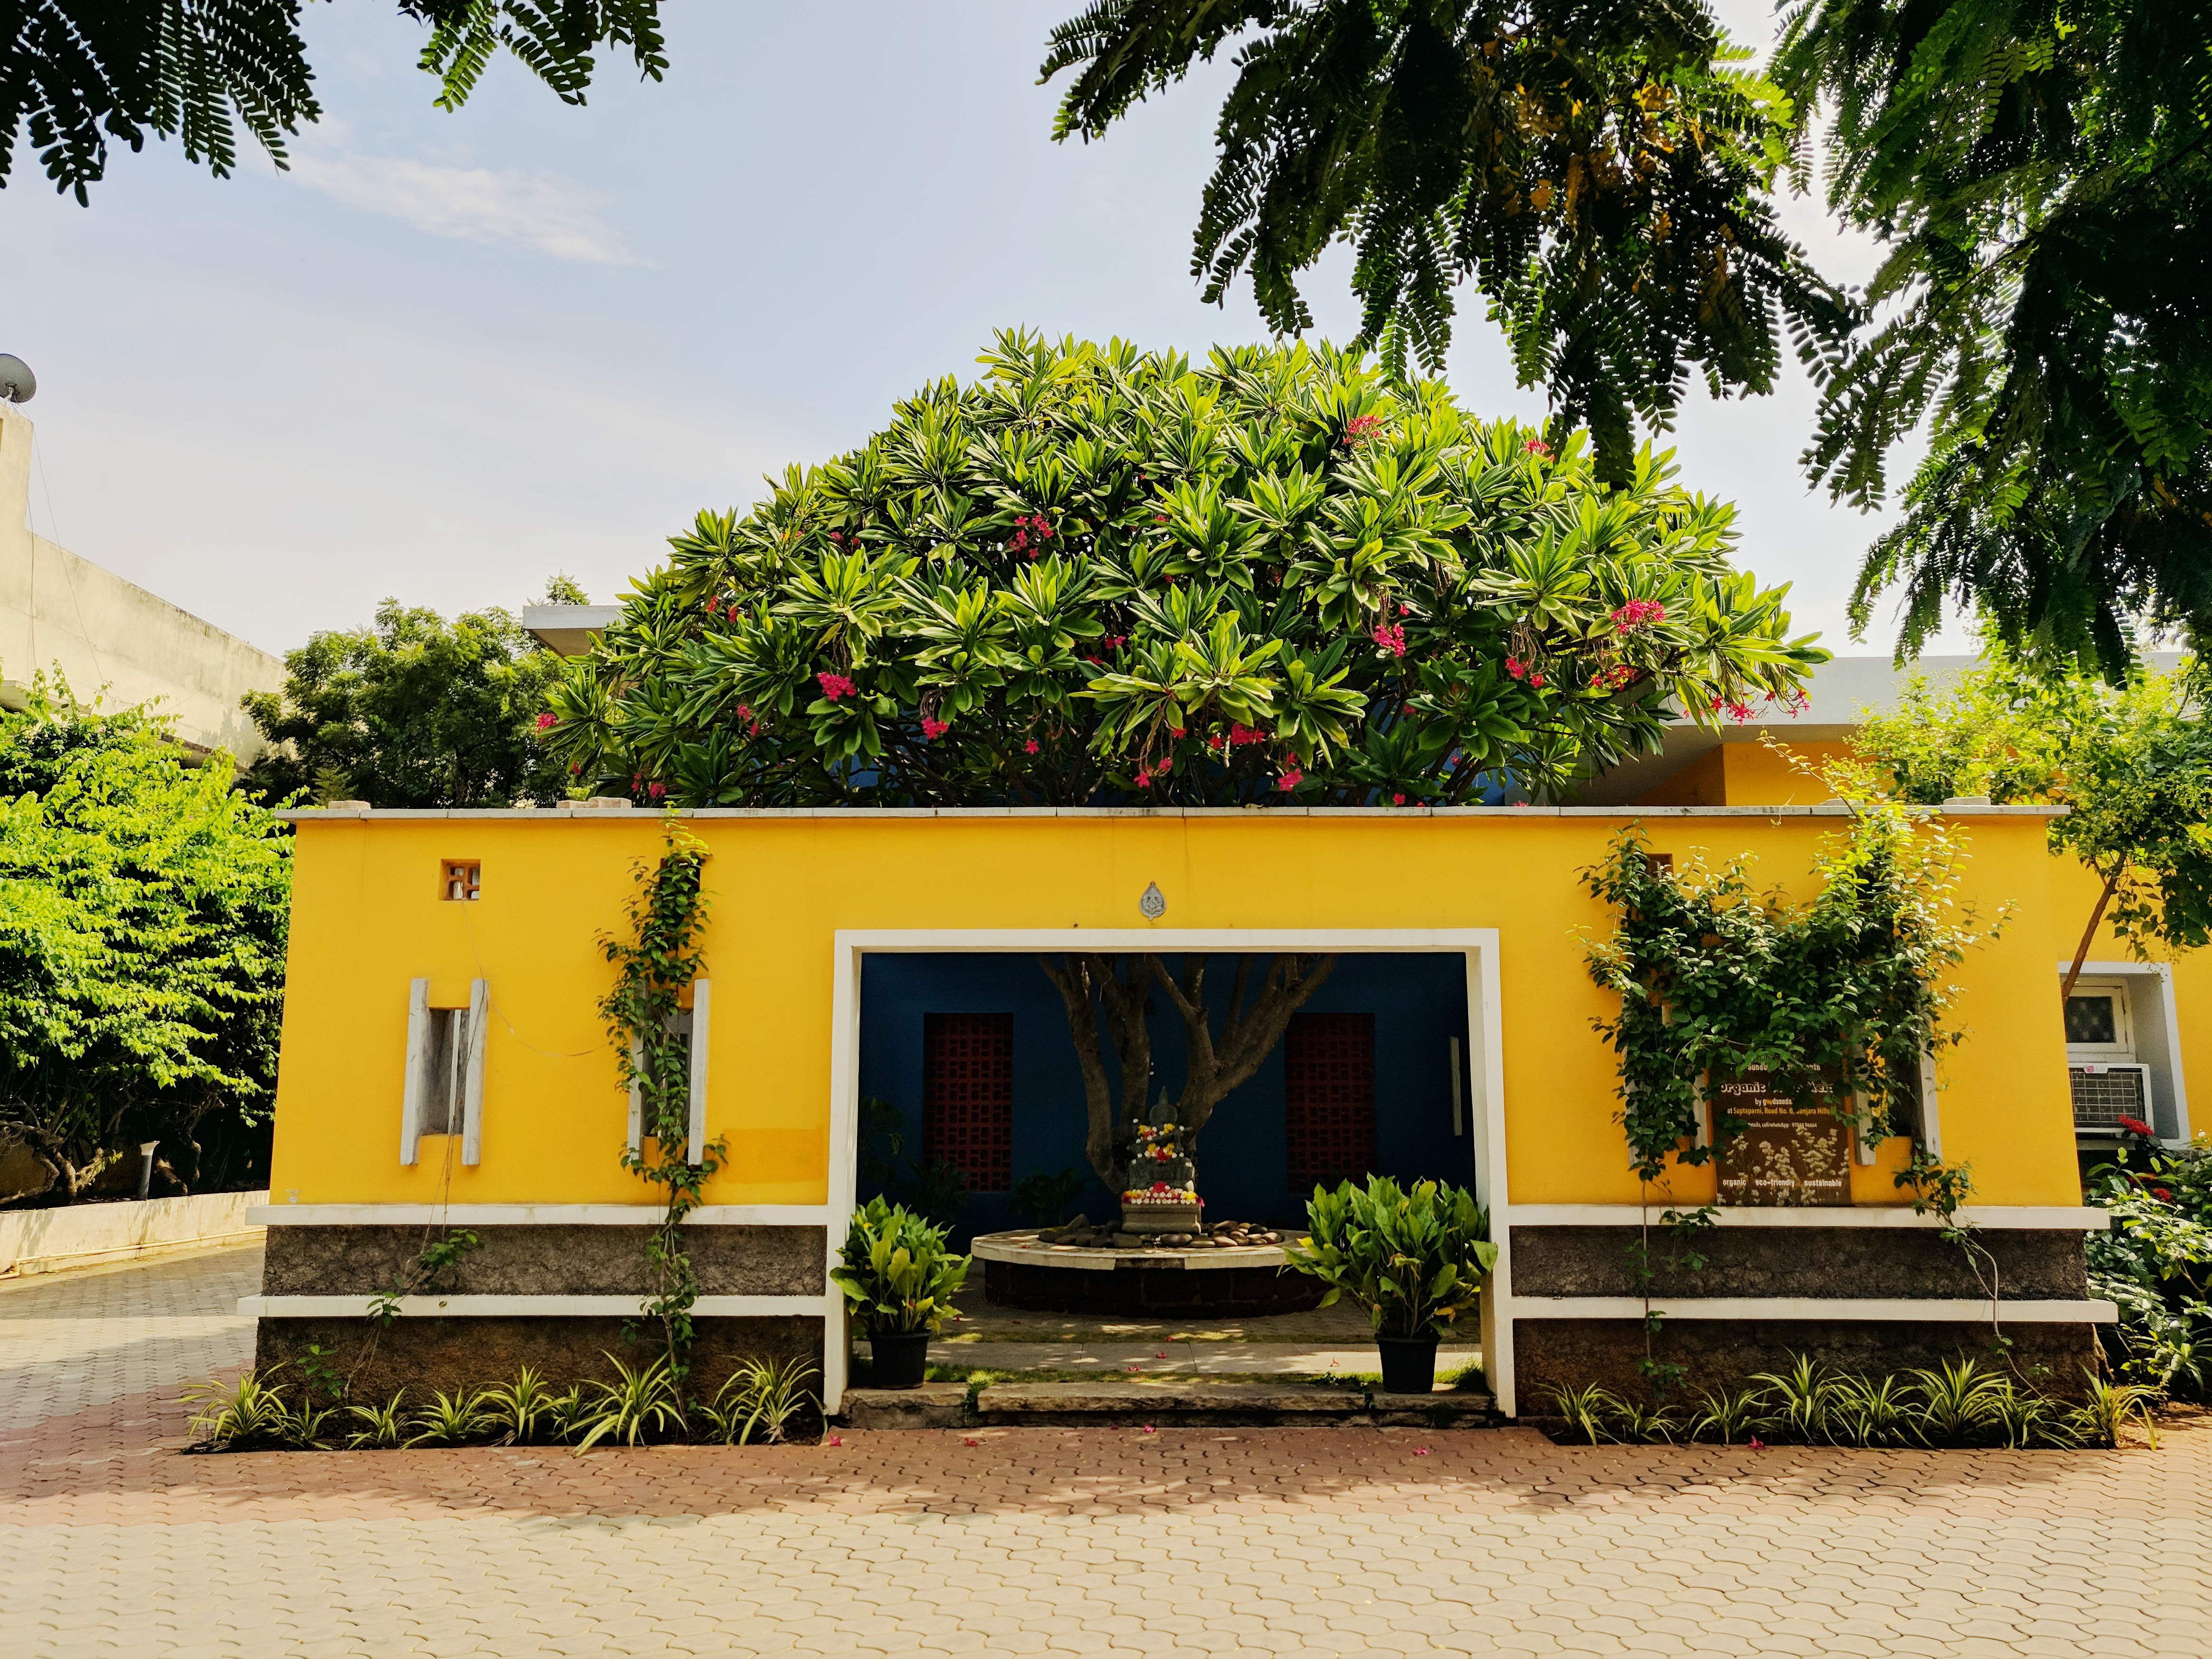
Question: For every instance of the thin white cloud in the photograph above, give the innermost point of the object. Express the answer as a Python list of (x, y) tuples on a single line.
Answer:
[(539, 211)]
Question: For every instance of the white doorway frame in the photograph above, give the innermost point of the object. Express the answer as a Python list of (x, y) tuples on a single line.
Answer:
[(1485, 1069)]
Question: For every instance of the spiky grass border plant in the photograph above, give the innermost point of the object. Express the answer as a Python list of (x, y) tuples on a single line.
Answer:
[(382, 1427), (451, 1419), (238, 1415), (642, 1403), (761, 1396), (520, 1410)]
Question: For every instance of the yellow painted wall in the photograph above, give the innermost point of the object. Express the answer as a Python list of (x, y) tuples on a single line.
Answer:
[(367, 917), (1745, 774)]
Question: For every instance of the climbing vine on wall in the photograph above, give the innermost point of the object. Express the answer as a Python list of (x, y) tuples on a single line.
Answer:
[(1716, 975), (654, 967)]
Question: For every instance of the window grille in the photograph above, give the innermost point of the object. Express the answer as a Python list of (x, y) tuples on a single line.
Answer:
[(1328, 1098), (2103, 1095), (968, 1097), (463, 878), (2093, 1020)]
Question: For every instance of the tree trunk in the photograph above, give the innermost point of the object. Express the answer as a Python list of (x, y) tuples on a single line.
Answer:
[(2089, 934), (1218, 1067), (1105, 1009)]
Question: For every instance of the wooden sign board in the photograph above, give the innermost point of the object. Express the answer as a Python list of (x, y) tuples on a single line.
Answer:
[(1792, 1151)]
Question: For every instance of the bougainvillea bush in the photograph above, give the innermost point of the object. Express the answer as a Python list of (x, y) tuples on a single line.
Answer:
[(1102, 575)]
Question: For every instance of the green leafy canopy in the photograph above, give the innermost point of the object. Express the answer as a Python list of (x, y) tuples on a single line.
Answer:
[(417, 711), (2131, 764), (1606, 172), (1102, 574), (74, 74), (143, 915), (1601, 171)]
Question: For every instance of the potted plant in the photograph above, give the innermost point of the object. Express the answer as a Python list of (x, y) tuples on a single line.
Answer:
[(900, 1279), (1415, 1260)]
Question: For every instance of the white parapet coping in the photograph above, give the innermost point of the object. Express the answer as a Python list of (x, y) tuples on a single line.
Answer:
[(86, 1234), (495, 1307), (614, 810), (2052, 1217), (535, 1215), (1025, 1248), (1902, 1309)]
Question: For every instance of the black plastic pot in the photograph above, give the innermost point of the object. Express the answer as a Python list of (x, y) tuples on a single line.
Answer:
[(900, 1356), (1409, 1363)]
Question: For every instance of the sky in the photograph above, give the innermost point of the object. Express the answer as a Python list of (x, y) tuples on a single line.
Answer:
[(446, 355)]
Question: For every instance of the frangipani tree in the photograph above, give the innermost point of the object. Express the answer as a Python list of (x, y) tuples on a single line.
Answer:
[(1097, 575)]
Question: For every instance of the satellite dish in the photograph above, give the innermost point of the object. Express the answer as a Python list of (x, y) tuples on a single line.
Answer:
[(17, 384)]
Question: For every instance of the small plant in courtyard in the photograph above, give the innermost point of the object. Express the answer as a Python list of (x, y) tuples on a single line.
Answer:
[(238, 1416), (1588, 1412), (452, 1419), (761, 1397), (1728, 1415), (641, 1404), (379, 1426), (521, 1411), (1415, 1260), (899, 1277), (1873, 1411)]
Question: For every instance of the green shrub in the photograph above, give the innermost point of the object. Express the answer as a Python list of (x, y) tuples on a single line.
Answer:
[(2155, 1263), (1415, 1260), (898, 1273)]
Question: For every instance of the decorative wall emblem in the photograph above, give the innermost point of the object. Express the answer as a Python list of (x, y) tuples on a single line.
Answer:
[(1154, 903)]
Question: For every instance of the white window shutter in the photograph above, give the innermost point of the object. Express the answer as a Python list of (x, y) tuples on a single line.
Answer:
[(418, 1069), (694, 1147), (472, 1073), (637, 1096), (1932, 1123)]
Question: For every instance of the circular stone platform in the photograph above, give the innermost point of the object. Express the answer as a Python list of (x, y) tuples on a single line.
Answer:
[(1021, 1271)]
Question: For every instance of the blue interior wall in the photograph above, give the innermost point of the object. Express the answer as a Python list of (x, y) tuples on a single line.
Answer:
[(1418, 1001)]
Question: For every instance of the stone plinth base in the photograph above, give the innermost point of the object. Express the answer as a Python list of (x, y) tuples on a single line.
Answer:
[(1147, 1287)]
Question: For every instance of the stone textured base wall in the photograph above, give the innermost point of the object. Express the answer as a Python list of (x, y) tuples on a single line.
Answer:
[(424, 1354), (544, 1261), (1848, 1262), (1550, 1355)]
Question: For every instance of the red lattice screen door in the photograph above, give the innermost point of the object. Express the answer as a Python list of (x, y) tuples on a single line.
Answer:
[(1328, 1098), (967, 1096)]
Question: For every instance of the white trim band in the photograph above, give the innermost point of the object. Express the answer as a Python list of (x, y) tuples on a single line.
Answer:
[(556, 1307), (579, 812), (1902, 1309), (533, 1215), (2053, 1218)]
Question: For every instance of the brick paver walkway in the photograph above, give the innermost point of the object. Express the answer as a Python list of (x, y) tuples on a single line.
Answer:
[(1322, 1541)]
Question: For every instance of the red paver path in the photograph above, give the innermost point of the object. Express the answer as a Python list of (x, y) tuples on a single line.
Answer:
[(1323, 1541)]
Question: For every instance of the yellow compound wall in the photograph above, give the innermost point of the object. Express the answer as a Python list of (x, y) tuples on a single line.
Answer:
[(369, 916)]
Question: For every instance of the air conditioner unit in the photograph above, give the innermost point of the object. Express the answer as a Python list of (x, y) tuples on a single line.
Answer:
[(2103, 1095)]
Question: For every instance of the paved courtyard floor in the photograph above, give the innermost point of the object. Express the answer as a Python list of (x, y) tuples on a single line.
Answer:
[(1333, 1541)]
